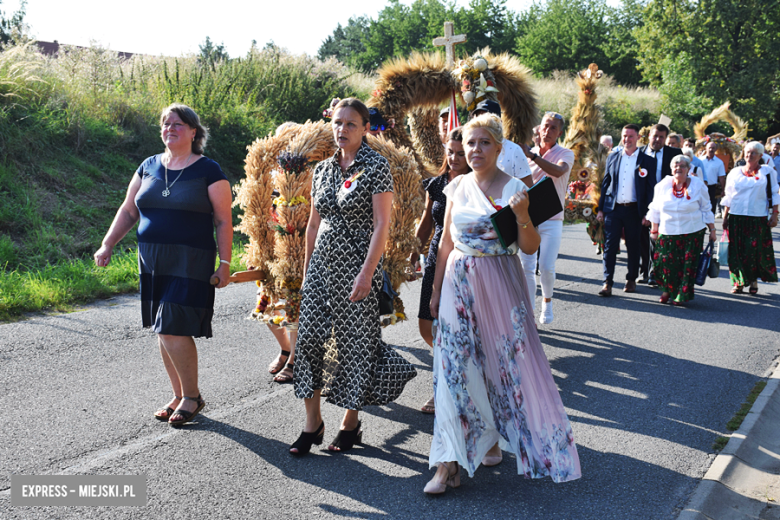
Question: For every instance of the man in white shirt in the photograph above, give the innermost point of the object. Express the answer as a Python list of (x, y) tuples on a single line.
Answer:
[(663, 154), (511, 160), (714, 174), (548, 160), (626, 192)]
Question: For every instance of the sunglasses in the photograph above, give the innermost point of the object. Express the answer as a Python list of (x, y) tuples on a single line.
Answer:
[(381, 128)]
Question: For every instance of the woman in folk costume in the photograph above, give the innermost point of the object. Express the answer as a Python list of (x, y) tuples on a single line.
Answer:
[(750, 197), (492, 381)]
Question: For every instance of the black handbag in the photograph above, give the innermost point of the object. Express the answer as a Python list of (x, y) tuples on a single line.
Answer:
[(386, 295), (704, 265), (714, 270)]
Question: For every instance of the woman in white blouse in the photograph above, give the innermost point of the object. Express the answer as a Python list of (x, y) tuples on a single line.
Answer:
[(679, 213), (751, 190)]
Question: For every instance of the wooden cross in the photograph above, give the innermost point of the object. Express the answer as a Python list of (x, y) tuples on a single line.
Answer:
[(449, 42)]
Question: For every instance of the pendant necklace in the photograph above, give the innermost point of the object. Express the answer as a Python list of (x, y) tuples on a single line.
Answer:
[(484, 192), (167, 190)]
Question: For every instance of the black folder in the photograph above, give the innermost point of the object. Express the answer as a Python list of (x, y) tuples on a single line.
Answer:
[(543, 203)]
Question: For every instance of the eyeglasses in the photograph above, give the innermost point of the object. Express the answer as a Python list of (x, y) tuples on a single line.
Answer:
[(381, 128)]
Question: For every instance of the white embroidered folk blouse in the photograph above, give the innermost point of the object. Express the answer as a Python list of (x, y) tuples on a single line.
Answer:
[(680, 216), (746, 196)]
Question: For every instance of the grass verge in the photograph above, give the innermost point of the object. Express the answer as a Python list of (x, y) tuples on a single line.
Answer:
[(61, 286), (736, 421)]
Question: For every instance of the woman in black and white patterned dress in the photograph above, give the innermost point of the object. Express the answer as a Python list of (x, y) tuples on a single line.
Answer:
[(339, 344)]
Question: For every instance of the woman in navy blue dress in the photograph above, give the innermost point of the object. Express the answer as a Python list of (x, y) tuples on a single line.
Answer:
[(178, 198), (432, 220)]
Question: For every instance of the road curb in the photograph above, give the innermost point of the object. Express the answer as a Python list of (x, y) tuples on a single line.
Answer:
[(738, 483)]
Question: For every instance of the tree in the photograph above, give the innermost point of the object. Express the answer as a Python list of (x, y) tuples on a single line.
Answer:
[(731, 50), (13, 26), (400, 29), (621, 47), (563, 35), (487, 23), (346, 43), (211, 54)]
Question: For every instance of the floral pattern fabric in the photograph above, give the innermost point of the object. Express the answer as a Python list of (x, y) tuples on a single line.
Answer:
[(675, 261), (751, 255), (492, 380)]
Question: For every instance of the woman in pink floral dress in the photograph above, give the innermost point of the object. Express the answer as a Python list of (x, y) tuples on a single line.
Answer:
[(492, 382)]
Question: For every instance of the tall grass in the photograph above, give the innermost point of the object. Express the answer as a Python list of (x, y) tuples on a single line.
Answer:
[(620, 105)]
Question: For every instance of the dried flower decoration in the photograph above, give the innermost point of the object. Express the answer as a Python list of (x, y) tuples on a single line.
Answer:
[(292, 163)]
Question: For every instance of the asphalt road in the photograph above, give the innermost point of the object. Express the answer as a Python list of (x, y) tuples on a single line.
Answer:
[(647, 387)]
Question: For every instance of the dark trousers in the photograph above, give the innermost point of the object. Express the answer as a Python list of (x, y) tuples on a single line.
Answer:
[(622, 218), (646, 254), (714, 191)]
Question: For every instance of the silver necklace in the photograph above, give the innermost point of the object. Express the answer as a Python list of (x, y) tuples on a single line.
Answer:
[(167, 190), (485, 192)]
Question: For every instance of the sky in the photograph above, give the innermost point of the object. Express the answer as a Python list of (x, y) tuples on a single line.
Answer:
[(177, 28)]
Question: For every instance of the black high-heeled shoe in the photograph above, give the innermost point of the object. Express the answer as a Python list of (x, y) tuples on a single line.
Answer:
[(345, 439), (306, 439)]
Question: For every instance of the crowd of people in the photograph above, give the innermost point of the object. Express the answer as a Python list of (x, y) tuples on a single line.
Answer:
[(493, 388), (661, 198)]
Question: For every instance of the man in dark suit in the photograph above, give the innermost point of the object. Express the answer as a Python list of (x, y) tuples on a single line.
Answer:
[(626, 191), (663, 156)]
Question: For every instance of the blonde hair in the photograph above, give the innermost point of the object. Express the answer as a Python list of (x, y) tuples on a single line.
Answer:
[(490, 122)]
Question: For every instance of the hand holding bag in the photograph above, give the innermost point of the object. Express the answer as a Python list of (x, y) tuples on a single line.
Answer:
[(704, 265)]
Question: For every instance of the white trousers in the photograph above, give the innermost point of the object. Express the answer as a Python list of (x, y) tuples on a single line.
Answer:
[(551, 233)]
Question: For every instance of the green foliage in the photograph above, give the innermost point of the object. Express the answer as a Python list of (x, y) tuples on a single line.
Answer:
[(59, 287), (681, 102), (571, 34), (400, 29), (621, 47), (14, 26), (73, 129), (563, 35), (736, 421), (739, 417), (211, 54), (731, 50), (620, 105)]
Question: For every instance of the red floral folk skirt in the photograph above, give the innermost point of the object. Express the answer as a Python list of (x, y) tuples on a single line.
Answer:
[(675, 261), (751, 255)]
